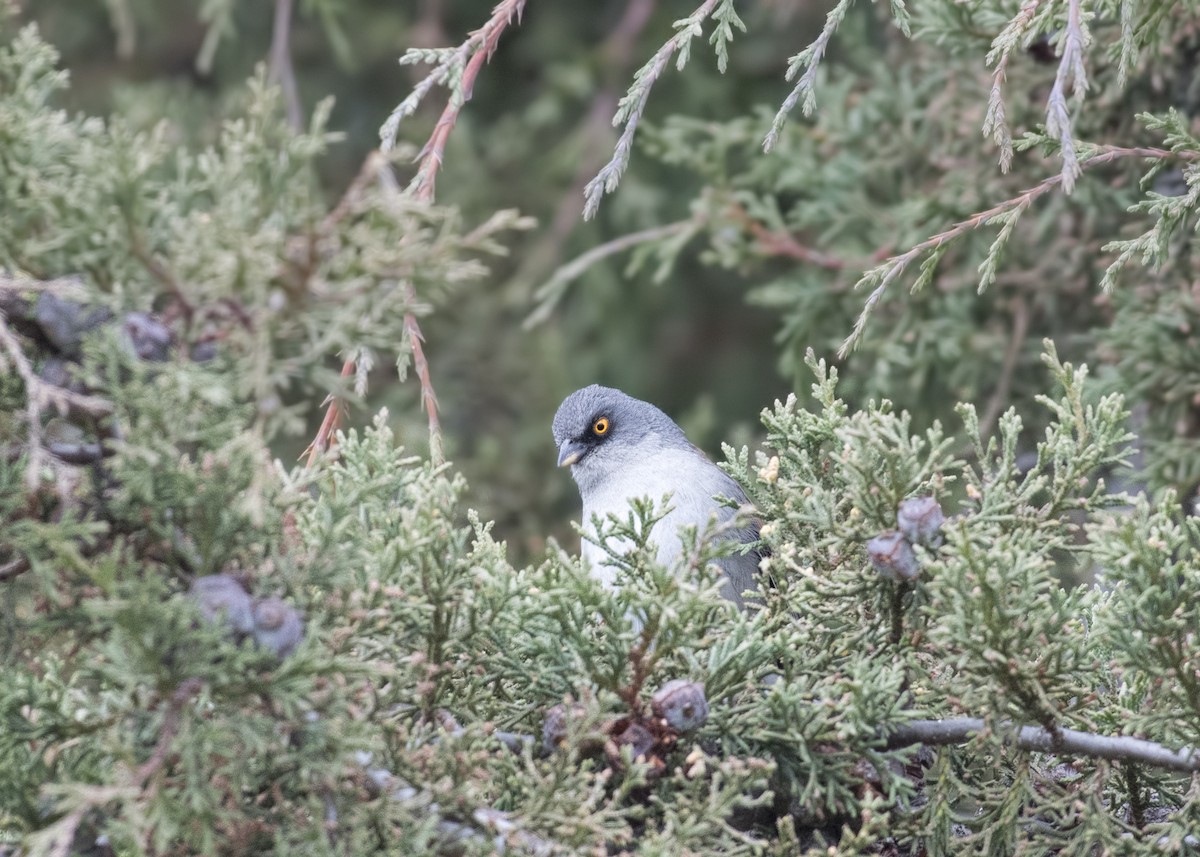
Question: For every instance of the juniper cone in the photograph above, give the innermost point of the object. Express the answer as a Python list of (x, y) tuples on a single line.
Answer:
[(620, 449)]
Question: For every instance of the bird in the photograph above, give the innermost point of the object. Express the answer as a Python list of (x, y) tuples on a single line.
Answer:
[(620, 449)]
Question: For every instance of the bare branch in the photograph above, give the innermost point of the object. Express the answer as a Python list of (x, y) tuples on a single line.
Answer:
[(1037, 739), (282, 71)]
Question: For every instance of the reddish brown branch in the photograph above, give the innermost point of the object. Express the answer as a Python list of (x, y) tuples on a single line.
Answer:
[(161, 273), (782, 243), (336, 407), (429, 401), (480, 44), (168, 730), (485, 38)]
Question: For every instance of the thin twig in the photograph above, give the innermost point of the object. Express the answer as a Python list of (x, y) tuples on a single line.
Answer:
[(896, 265), (782, 243), (551, 292), (1011, 354), (332, 421), (1121, 748), (282, 71), (160, 271), (429, 401), (368, 173)]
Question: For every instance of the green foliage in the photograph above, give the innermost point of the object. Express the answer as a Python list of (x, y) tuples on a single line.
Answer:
[(448, 696), (258, 261)]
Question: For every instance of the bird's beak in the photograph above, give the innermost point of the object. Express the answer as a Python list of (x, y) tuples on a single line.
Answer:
[(570, 452)]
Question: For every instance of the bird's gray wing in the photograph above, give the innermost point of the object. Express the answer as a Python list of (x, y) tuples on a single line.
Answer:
[(741, 569)]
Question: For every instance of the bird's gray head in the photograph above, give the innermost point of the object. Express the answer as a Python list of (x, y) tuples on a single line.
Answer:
[(600, 432)]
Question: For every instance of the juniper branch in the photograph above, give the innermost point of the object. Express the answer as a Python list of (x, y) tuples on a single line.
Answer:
[(995, 123), (888, 272), (633, 105), (810, 60), (477, 48), (1058, 117), (779, 243), (483, 42)]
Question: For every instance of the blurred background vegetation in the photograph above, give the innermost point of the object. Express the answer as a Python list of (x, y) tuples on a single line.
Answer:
[(751, 257)]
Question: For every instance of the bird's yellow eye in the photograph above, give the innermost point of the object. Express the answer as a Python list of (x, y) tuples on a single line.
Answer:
[(600, 427)]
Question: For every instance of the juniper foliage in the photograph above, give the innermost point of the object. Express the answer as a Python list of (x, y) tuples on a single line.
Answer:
[(159, 306)]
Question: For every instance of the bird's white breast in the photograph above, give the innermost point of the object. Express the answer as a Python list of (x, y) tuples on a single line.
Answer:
[(685, 474)]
